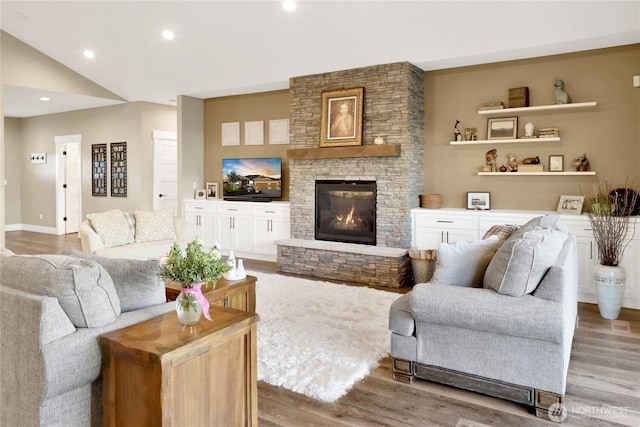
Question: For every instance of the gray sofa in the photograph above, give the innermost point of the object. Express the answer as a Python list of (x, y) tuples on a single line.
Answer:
[(52, 309), (510, 338)]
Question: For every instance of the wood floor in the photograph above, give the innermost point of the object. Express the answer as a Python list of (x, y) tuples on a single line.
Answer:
[(603, 382)]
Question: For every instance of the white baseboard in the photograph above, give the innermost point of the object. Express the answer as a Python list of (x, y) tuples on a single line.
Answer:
[(29, 227)]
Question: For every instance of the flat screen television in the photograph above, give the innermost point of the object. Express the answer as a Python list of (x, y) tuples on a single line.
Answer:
[(252, 179)]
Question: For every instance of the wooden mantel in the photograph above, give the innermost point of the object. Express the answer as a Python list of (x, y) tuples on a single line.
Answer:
[(392, 150)]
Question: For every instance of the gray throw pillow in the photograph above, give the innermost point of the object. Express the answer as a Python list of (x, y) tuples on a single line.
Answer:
[(521, 262), (464, 263), (136, 282), (83, 288)]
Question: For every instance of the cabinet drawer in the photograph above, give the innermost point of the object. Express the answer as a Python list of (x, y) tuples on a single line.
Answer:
[(446, 221), (579, 228), (275, 211), (199, 209)]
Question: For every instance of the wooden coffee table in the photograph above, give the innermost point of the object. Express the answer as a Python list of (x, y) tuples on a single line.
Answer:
[(238, 294), (161, 373)]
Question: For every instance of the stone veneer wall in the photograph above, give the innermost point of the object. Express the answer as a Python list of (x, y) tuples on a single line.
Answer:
[(393, 108)]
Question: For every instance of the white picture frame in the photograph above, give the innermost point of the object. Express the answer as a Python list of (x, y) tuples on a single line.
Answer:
[(571, 205), (213, 192), (200, 194)]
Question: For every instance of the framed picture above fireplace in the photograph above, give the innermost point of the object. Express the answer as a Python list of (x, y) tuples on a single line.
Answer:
[(341, 123)]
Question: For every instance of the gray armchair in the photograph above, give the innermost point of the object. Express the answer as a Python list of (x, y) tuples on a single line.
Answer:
[(488, 341)]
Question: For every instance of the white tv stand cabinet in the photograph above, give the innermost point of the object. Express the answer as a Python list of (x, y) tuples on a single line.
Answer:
[(249, 229), (431, 227)]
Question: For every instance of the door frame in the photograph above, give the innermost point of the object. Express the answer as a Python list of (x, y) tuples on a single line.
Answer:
[(60, 142)]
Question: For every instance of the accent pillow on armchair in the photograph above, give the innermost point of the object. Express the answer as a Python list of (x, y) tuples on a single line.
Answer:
[(464, 263)]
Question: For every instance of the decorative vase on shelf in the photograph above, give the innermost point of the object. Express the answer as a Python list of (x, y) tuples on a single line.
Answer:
[(610, 283), (188, 308)]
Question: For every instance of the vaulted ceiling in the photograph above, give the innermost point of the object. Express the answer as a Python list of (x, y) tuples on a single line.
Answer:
[(234, 47)]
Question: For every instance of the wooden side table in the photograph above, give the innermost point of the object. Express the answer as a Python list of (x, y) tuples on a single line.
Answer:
[(238, 294), (161, 373)]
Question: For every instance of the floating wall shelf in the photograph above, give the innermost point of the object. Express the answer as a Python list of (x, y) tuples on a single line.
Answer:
[(539, 109), (505, 141), (535, 173)]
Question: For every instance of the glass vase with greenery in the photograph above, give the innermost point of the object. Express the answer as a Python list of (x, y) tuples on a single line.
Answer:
[(193, 268)]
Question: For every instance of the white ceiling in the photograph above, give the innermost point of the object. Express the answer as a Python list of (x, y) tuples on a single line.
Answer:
[(235, 47)]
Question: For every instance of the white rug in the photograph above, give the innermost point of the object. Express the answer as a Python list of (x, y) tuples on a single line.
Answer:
[(319, 338)]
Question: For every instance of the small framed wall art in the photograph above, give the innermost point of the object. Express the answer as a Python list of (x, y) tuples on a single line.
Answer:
[(570, 205), (212, 190), (556, 163), (341, 117), (478, 201), (502, 128)]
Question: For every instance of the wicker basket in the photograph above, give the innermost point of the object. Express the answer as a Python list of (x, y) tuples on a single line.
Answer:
[(431, 201), (422, 269)]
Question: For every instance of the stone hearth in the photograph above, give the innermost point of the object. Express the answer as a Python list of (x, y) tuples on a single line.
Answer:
[(393, 108)]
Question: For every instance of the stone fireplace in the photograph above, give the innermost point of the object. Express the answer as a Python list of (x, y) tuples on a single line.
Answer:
[(346, 211), (393, 109)]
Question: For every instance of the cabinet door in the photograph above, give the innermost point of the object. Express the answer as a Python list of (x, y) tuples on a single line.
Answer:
[(224, 231), (631, 264), (242, 232), (193, 217), (208, 230), (586, 248), (266, 230), (427, 238)]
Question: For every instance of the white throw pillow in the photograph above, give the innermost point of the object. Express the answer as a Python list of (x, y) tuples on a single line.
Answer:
[(464, 263), (112, 227), (521, 263), (154, 226)]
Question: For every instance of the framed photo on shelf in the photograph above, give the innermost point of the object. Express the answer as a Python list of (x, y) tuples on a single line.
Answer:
[(479, 201), (556, 163), (201, 194), (570, 205), (212, 190), (502, 128), (341, 117)]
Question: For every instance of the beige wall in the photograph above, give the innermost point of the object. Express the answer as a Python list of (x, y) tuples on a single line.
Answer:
[(609, 134), (261, 106), (190, 146), (25, 66), (133, 123)]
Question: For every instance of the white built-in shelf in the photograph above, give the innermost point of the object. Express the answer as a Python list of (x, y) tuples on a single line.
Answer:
[(505, 141), (535, 173), (540, 108)]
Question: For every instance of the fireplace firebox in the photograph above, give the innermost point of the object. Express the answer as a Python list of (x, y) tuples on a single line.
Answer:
[(346, 211)]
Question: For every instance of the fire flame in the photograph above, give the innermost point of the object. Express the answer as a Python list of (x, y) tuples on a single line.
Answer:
[(350, 219)]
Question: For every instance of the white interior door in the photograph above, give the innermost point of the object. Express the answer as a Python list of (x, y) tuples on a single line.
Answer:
[(165, 170), (68, 183)]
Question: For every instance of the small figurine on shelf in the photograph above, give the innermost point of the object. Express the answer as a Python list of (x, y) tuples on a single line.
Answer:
[(470, 134), (457, 135), (503, 168), (512, 166), (581, 164), (528, 130), (561, 96), (490, 165)]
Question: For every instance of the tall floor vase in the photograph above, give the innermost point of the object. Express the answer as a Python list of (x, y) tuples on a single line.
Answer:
[(610, 283)]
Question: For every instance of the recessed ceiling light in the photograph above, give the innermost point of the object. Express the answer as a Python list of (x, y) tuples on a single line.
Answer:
[(168, 34), (45, 98), (289, 5), (89, 54)]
